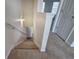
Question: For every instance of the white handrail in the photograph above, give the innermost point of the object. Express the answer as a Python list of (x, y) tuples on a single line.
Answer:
[(13, 27)]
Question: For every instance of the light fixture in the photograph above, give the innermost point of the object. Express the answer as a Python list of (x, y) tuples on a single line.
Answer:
[(21, 18)]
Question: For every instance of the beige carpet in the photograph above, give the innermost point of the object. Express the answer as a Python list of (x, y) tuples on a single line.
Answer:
[(27, 54), (27, 44), (27, 50), (56, 49)]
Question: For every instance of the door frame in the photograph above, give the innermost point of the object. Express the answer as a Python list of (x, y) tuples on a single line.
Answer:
[(48, 24), (57, 16)]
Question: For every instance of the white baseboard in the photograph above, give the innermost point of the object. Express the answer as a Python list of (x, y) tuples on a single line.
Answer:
[(42, 50), (6, 57)]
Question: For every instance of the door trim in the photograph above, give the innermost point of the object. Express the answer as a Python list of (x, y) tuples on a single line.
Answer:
[(57, 16)]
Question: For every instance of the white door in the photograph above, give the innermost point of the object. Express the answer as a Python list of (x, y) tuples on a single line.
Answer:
[(65, 20)]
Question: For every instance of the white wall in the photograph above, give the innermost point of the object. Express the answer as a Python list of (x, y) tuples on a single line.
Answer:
[(28, 12), (12, 10), (39, 23), (11, 38), (47, 27)]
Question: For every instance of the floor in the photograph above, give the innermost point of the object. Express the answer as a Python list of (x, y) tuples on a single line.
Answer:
[(27, 44), (56, 49), (27, 50)]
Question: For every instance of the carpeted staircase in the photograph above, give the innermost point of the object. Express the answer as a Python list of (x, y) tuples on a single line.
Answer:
[(56, 49), (27, 50)]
